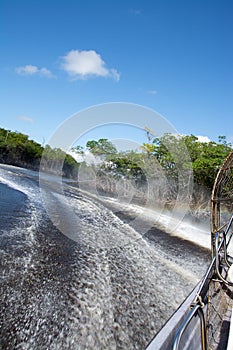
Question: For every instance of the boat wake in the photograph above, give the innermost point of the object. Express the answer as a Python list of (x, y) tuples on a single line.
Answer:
[(101, 285)]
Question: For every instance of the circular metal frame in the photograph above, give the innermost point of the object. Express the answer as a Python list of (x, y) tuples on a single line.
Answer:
[(222, 196)]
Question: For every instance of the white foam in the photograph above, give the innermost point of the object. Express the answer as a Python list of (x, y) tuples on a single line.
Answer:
[(13, 185), (171, 224)]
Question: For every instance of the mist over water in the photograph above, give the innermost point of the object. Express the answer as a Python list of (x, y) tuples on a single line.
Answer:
[(109, 288)]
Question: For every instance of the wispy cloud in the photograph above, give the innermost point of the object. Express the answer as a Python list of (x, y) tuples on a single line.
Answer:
[(26, 70), (25, 119), (135, 12), (30, 70), (44, 72), (86, 64), (152, 92)]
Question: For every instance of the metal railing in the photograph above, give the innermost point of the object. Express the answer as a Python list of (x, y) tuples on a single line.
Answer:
[(221, 244), (200, 301), (196, 310)]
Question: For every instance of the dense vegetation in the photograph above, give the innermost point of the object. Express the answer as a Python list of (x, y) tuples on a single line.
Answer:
[(172, 153), (160, 164), (17, 149), (158, 169)]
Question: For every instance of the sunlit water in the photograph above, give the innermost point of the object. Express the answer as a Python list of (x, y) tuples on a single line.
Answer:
[(109, 288)]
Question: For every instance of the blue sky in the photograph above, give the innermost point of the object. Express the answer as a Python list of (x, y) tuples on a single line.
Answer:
[(60, 57)]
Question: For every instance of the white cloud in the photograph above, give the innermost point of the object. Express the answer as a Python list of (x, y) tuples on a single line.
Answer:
[(44, 72), (26, 119), (152, 92), (84, 64), (27, 70), (203, 139), (34, 70), (114, 74)]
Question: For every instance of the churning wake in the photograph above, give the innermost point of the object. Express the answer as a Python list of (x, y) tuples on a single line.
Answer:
[(103, 285)]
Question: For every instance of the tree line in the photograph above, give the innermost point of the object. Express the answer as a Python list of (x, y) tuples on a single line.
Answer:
[(166, 157), (160, 170), (171, 152), (17, 149)]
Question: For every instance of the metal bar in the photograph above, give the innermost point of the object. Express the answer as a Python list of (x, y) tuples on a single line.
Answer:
[(217, 249), (228, 228), (195, 310), (208, 275), (225, 249)]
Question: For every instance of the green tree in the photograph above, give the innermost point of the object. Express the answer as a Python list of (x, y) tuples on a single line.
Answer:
[(78, 149), (181, 152), (101, 147), (17, 149)]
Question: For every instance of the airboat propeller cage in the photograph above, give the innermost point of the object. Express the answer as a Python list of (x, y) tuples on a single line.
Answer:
[(222, 198)]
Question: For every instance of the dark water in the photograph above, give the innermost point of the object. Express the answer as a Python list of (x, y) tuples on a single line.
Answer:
[(101, 286), (13, 206)]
